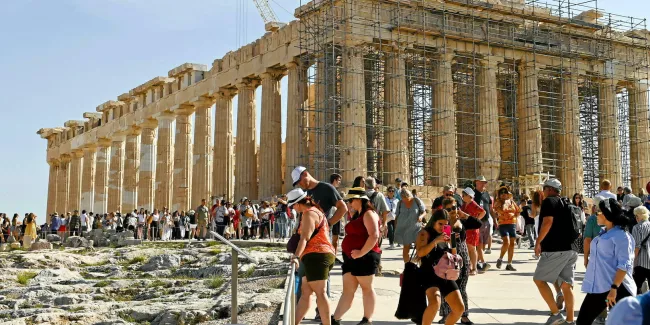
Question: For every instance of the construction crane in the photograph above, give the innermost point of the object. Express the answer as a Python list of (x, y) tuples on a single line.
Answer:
[(271, 22)]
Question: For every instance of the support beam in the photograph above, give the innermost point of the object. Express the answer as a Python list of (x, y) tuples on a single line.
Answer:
[(164, 161), (182, 159), (51, 187), (639, 136), (202, 160), (246, 146), (444, 150), (76, 170), (88, 179), (609, 152), (488, 148), (131, 170), (223, 171), (270, 175), (396, 156), (63, 184), (571, 172), (353, 117), (529, 129), (101, 176), (296, 140), (147, 180), (116, 174)]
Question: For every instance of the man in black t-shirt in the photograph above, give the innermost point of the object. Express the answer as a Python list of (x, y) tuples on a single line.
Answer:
[(557, 262), (482, 197), (529, 228)]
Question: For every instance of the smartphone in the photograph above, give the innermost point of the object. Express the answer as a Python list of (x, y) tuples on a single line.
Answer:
[(446, 229)]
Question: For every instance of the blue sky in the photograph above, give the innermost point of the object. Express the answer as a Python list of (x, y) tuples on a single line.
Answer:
[(60, 58)]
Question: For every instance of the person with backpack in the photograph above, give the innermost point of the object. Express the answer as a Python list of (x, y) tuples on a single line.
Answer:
[(557, 259), (609, 273), (641, 235), (378, 201)]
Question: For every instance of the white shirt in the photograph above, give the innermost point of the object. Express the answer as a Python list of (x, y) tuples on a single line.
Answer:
[(141, 218), (83, 219), (266, 213), (392, 207), (156, 217), (607, 194), (91, 220)]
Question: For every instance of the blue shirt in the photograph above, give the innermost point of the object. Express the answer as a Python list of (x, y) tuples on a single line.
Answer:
[(56, 223), (592, 229), (629, 310), (611, 251)]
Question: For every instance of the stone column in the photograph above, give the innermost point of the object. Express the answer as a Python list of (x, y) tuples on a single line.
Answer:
[(223, 170), (201, 170), (101, 176), (74, 191), (444, 153), (639, 137), (571, 171), (488, 148), (51, 187), (609, 153), (296, 139), (63, 184), (116, 174), (164, 162), (246, 145), (353, 117), (147, 173), (182, 160), (396, 155), (270, 175), (88, 179), (529, 130), (131, 170)]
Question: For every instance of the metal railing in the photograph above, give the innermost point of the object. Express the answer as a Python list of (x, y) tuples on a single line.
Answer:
[(289, 313)]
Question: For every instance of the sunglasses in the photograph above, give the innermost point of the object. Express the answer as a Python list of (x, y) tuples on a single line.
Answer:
[(503, 192), (451, 209), (391, 191)]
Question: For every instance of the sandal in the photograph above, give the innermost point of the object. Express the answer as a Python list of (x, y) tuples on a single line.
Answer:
[(467, 322)]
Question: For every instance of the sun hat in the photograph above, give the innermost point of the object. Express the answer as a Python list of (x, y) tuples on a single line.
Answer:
[(296, 195), (554, 183), (469, 191), (296, 173), (480, 178), (356, 193), (503, 187)]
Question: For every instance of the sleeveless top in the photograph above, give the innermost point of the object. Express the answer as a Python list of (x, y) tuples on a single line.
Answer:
[(431, 259), (356, 236), (320, 242)]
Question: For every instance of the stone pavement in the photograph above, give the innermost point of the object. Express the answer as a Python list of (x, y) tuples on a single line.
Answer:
[(496, 297)]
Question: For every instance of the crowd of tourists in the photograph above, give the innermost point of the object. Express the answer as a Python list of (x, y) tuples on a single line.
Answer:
[(444, 249)]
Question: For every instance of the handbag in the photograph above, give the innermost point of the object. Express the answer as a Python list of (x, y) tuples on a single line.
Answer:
[(448, 267), (412, 299), (292, 244)]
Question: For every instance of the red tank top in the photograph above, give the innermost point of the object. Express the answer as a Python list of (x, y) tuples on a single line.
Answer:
[(356, 236)]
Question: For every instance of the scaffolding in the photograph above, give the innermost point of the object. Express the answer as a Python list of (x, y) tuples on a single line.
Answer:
[(556, 36)]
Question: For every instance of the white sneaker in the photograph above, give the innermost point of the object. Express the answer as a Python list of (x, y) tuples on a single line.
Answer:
[(488, 251), (392, 246)]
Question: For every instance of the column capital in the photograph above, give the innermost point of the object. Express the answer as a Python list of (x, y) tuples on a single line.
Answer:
[(446, 55), (79, 153), (183, 109), (118, 138), (90, 148), (203, 101), (247, 83), (149, 123), (225, 93), (292, 64), (65, 158), (166, 116), (103, 143), (134, 130), (273, 73), (54, 162), (530, 64), (490, 61)]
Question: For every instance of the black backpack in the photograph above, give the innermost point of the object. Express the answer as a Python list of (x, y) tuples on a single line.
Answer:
[(573, 217)]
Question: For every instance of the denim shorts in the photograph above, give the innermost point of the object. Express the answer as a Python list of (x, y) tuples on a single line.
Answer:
[(508, 231)]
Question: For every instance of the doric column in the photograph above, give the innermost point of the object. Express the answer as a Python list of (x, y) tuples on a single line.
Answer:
[(246, 146), (164, 162), (101, 176), (570, 159), (639, 136), (488, 148), (396, 155), (609, 153), (296, 139), (443, 144), (51, 187), (201, 170), (74, 188), (88, 179), (116, 174), (63, 184), (131, 170), (271, 136), (529, 130), (182, 185), (353, 117), (147, 180), (223, 171)]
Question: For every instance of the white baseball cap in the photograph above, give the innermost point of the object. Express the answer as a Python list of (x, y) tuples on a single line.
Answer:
[(296, 173), (294, 196), (469, 191)]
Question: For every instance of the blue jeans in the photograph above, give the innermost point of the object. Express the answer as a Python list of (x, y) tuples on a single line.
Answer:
[(282, 225)]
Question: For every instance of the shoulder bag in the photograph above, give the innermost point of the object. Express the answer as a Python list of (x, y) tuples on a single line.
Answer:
[(292, 244)]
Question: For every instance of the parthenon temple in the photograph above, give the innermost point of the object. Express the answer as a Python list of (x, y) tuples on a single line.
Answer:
[(431, 91)]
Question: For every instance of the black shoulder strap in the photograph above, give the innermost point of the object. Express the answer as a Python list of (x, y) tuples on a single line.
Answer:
[(373, 196), (645, 240)]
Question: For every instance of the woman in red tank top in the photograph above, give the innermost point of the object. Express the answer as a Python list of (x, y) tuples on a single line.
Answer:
[(361, 256)]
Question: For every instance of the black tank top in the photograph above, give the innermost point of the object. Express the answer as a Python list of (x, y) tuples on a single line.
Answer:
[(436, 253)]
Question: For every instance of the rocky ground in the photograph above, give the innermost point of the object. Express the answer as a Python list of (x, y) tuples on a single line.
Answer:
[(152, 283)]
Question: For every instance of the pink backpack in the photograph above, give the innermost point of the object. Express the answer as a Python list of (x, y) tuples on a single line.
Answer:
[(449, 266)]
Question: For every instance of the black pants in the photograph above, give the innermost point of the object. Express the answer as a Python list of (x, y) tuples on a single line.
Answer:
[(391, 231), (594, 304), (640, 275)]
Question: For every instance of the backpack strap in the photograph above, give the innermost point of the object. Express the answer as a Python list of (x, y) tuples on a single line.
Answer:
[(645, 241)]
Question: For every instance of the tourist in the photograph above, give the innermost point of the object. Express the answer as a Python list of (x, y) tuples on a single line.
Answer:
[(191, 215), (631, 311), (432, 243), (361, 254), (529, 222), (222, 217), (62, 226), (247, 211), (472, 210), (282, 218), (391, 201), (558, 259), (578, 201), (538, 198), (605, 187), (409, 217), (141, 222), (255, 222), (483, 199), (335, 181), (55, 223), (91, 220), (202, 218), (608, 278), (84, 222), (265, 219), (619, 194), (30, 229), (457, 220), (398, 186), (507, 213), (592, 229), (175, 223), (378, 201), (358, 181), (6, 228), (447, 191), (236, 222), (641, 235), (132, 221), (314, 251), (155, 225), (75, 224)]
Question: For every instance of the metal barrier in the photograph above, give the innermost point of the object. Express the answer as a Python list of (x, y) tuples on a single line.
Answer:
[(289, 313)]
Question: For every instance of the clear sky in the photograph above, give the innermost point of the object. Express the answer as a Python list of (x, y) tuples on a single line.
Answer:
[(60, 58)]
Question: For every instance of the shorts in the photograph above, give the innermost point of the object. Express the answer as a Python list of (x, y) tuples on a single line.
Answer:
[(364, 266), (473, 237), (429, 279), (508, 231), (556, 266), (484, 233), (203, 223), (336, 229), (61, 228), (317, 266)]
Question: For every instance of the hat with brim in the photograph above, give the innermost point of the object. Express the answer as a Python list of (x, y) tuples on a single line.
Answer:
[(504, 188), (356, 193), (480, 179), (295, 196)]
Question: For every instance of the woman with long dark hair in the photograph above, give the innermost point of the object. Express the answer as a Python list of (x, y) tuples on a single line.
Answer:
[(609, 273), (578, 201), (361, 256), (507, 211)]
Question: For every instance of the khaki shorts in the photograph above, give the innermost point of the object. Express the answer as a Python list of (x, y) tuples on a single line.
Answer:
[(202, 223), (556, 266)]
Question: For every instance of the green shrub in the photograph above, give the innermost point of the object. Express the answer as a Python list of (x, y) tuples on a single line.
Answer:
[(24, 277), (215, 282), (103, 283)]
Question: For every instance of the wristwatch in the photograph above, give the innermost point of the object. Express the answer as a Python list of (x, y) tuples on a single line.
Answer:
[(615, 287)]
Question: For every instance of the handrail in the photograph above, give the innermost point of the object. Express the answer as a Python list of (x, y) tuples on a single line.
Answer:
[(233, 246), (289, 314)]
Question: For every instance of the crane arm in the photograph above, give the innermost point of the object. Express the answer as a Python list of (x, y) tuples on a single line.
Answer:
[(265, 11)]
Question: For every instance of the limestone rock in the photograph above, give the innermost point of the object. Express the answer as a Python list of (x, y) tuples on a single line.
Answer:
[(40, 245), (164, 261), (53, 237), (14, 245), (50, 276), (65, 300), (76, 241)]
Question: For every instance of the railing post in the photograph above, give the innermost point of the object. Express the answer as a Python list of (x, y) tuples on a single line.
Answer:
[(234, 279)]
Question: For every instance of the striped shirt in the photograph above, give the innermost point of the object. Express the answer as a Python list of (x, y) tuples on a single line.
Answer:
[(639, 233)]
